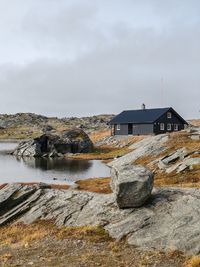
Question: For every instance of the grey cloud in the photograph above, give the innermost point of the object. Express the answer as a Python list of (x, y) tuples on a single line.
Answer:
[(86, 65)]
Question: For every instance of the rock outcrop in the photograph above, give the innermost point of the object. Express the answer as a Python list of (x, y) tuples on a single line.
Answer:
[(117, 141), (179, 161), (152, 145), (170, 219), (132, 185), (73, 141)]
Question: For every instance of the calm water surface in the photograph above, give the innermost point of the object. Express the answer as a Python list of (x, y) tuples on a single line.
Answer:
[(47, 170)]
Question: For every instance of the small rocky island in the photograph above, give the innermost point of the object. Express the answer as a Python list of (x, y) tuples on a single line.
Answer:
[(54, 145)]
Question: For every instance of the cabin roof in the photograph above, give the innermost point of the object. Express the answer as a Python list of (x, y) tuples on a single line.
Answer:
[(142, 116)]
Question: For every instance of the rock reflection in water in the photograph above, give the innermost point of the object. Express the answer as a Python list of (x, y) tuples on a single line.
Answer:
[(53, 170), (58, 164)]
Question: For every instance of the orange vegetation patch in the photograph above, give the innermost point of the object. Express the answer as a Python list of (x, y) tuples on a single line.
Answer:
[(182, 139), (102, 153), (96, 185), (60, 186), (2, 186), (193, 262), (188, 178), (96, 136)]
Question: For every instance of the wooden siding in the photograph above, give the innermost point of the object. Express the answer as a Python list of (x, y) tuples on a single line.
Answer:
[(143, 129), (173, 120), (137, 129), (123, 129)]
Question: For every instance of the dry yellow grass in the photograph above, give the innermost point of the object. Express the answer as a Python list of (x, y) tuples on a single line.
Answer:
[(24, 235), (193, 262), (90, 233), (21, 234), (96, 185), (182, 139), (5, 257), (52, 246), (102, 153), (187, 178), (96, 136)]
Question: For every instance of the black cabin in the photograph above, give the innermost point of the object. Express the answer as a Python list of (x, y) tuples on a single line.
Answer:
[(147, 121)]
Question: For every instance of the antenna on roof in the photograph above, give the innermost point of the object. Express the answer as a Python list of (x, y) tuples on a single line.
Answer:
[(162, 91), (143, 106)]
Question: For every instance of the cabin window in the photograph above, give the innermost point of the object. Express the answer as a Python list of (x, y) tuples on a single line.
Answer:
[(169, 115), (175, 127), (169, 127), (162, 126), (118, 127)]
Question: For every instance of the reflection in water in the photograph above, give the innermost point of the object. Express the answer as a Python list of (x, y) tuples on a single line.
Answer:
[(58, 164), (48, 170)]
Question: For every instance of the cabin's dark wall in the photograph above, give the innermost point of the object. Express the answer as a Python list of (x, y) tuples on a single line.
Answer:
[(142, 129), (173, 120), (137, 129), (123, 129)]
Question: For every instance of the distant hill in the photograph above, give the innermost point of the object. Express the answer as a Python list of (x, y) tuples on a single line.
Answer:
[(29, 125)]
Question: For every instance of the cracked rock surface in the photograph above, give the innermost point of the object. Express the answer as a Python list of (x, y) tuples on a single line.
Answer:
[(169, 220), (152, 145)]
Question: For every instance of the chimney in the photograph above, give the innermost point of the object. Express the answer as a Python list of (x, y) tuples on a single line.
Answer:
[(143, 106)]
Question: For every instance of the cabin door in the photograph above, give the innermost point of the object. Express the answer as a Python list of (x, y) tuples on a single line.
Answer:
[(130, 128)]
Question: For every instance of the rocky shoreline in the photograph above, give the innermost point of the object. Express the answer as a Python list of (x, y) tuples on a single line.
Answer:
[(169, 220)]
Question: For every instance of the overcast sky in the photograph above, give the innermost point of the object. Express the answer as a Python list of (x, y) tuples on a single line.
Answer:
[(84, 57)]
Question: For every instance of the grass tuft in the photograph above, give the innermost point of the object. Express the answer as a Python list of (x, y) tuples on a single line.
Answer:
[(23, 235), (193, 262), (102, 153), (96, 185)]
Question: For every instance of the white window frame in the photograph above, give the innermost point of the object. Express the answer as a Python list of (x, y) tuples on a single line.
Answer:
[(162, 126), (175, 127), (169, 127), (169, 115), (118, 127)]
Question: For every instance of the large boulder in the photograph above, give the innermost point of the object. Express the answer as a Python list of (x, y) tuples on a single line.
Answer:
[(132, 185), (80, 141), (73, 141)]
